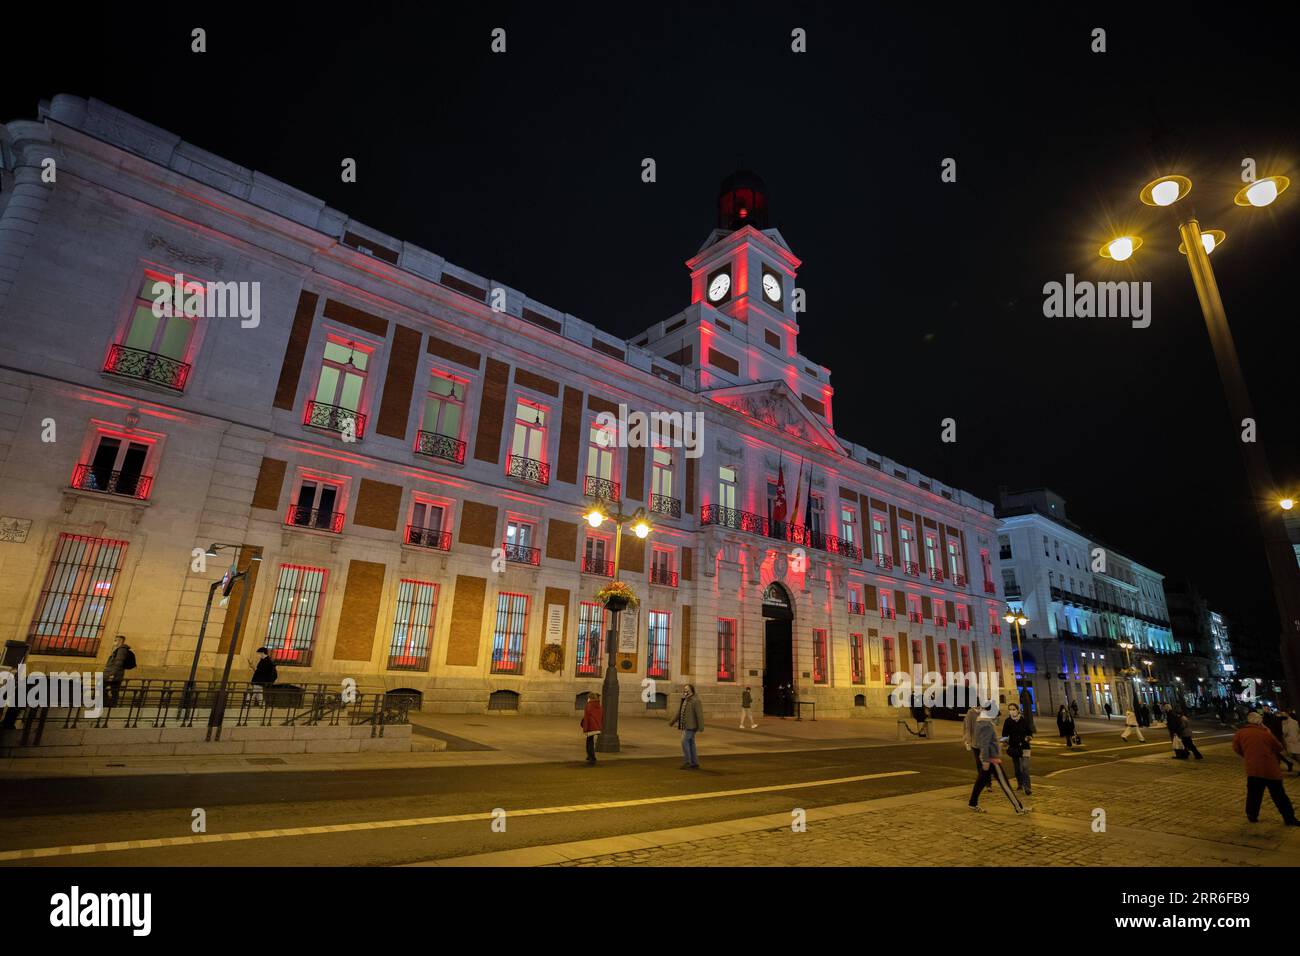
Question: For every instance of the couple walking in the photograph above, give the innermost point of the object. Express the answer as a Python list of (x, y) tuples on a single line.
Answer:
[(981, 738)]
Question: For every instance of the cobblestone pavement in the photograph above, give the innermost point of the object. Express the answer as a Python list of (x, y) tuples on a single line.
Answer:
[(1158, 812)]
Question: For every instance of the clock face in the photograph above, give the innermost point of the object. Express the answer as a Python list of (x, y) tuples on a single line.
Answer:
[(719, 286), (771, 288)]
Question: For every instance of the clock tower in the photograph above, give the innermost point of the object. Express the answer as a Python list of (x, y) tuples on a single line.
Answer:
[(741, 326)]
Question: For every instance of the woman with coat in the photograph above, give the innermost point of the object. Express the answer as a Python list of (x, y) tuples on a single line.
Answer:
[(1131, 725), (1065, 726), (593, 721), (1017, 731), (1291, 736)]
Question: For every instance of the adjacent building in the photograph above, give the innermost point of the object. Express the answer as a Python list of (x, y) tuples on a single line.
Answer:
[(400, 453)]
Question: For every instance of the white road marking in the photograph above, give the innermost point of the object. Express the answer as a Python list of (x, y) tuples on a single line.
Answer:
[(198, 839)]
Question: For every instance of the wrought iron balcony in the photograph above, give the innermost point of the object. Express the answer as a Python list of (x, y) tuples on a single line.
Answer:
[(428, 538), (856, 608), (731, 518), (912, 568), (995, 628), (527, 469), (887, 613), (129, 484), (990, 587), (884, 562), (936, 574), (433, 445), (664, 505), (940, 622), (599, 566), (914, 617), (147, 367), (959, 580), (963, 625), (603, 489), (665, 576), (335, 418), (518, 554), (318, 518)]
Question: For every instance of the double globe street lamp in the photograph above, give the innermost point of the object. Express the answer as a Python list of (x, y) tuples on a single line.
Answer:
[(1017, 620)]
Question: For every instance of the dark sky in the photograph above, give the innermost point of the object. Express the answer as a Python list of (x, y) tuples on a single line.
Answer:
[(925, 298)]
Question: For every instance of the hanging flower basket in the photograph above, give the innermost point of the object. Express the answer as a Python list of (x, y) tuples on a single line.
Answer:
[(616, 596)]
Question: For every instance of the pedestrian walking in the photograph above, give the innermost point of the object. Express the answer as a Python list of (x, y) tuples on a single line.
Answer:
[(690, 720), (592, 723), (1131, 726), (1065, 726), (1261, 751), (990, 758), (747, 709), (1273, 723), (1108, 710), (120, 660), (1018, 732), (1180, 729), (1074, 708), (1291, 736), (1143, 714), (264, 675)]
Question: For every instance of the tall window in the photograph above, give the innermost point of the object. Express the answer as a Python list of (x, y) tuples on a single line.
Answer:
[(914, 608), (917, 653), (661, 567), (848, 525), (76, 595), (955, 565), (508, 634), (855, 599), (987, 565), (963, 617), (891, 664), (726, 487), (817, 513), (942, 650), (965, 658), (156, 348), (880, 536), (820, 670), (932, 551), (318, 505), (340, 388), (601, 442), (907, 542), (291, 633), (975, 652), (529, 439), (595, 558), (887, 609), (444, 406), (118, 465), (658, 630), (519, 543), (661, 478), (997, 662), (726, 649), (593, 620), (417, 603), (858, 673)]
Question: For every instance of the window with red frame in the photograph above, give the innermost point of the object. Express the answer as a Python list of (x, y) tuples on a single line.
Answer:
[(593, 622), (509, 633), (528, 444), (417, 605), (726, 649), (997, 662), (75, 598), (917, 652), (963, 617), (995, 622), (117, 464), (965, 659), (318, 504), (602, 469), (658, 631), (914, 608), (855, 599), (891, 664), (886, 597), (291, 633), (340, 389), (156, 348), (856, 658), (975, 652), (820, 670), (942, 649)]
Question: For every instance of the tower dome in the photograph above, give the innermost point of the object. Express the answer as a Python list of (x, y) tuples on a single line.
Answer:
[(742, 201)]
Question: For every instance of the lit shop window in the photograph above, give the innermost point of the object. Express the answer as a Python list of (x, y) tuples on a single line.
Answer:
[(417, 604), (340, 390), (726, 649), (75, 596), (291, 633), (658, 630), (508, 635), (593, 621), (155, 349), (444, 411), (528, 445)]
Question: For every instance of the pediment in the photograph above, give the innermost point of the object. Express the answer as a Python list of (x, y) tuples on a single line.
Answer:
[(774, 406)]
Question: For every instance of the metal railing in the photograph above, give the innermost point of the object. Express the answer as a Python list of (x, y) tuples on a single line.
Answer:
[(519, 554), (334, 418), (732, 518), (130, 484), (785, 531), (884, 562), (990, 587), (599, 566), (433, 445), (959, 580), (428, 538), (664, 505), (147, 367), (604, 489), (912, 568), (665, 576), (318, 518), (936, 574), (856, 608), (528, 469)]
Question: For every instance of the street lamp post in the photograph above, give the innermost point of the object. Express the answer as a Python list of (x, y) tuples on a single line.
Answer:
[(188, 695), (1017, 620), (1129, 673), (608, 741), (1197, 244)]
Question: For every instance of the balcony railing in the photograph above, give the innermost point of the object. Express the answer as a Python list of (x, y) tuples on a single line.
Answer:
[(1011, 591), (665, 576), (940, 622), (335, 418), (963, 625), (884, 562), (959, 580), (990, 587), (731, 518), (781, 530), (147, 367), (599, 566), (603, 489), (856, 608), (527, 469), (664, 505), (912, 568), (995, 628), (519, 554), (936, 574), (433, 445), (887, 613), (129, 484), (317, 518), (433, 538)]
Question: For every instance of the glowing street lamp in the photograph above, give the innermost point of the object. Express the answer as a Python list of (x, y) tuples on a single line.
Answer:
[(1165, 191), (1287, 504), (1211, 239), (1261, 192), (1017, 620), (1121, 248)]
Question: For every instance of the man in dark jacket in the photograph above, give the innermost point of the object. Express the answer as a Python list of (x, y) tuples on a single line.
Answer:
[(1273, 723), (264, 674), (120, 660), (990, 758), (747, 709), (1018, 732), (1262, 751), (1181, 727), (690, 720)]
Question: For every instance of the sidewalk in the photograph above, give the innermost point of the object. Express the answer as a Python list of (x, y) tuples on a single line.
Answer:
[(1158, 812)]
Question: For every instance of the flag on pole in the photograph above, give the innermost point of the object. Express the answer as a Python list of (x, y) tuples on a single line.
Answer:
[(798, 490), (807, 513), (778, 506)]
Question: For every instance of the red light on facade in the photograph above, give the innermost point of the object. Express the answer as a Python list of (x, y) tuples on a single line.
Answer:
[(744, 213)]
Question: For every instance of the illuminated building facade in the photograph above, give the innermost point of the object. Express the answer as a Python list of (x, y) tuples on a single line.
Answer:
[(410, 448)]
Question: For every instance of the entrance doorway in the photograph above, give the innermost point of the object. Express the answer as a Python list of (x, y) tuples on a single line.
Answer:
[(778, 652)]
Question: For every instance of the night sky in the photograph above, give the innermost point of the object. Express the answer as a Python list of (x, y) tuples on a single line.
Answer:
[(924, 298)]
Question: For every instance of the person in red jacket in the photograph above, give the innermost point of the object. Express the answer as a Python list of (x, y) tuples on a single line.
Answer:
[(593, 721), (1262, 751)]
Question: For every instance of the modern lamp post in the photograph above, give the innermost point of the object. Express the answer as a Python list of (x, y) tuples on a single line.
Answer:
[(607, 742), (188, 696), (1197, 244), (1017, 620), (218, 714)]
